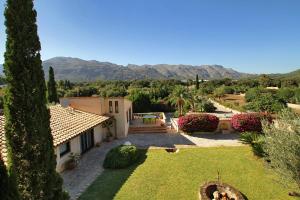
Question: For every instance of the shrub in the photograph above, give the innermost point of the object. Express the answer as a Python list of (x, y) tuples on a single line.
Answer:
[(257, 146), (248, 137), (228, 90), (256, 140), (141, 101), (209, 107), (203, 122), (266, 103), (121, 157), (296, 98), (286, 94), (282, 145), (252, 94), (219, 92), (249, 122)]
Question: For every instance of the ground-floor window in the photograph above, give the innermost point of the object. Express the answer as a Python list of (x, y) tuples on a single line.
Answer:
[(87, 140), (64, 149)]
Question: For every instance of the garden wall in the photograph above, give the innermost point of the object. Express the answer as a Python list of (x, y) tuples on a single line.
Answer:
[(294, 106), (224, 125)]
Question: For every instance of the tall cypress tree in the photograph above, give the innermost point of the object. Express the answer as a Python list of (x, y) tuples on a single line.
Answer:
[(7, 189), (31, 159), (197, 82), (4, 188), (52, 92)]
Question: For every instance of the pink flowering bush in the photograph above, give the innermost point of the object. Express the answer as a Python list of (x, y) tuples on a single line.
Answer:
[(249, 122), (195, 123)]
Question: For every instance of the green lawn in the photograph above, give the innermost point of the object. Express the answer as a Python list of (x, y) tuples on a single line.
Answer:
[(178, 176)]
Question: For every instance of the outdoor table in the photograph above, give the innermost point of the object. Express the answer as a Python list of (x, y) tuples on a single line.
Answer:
[(150, 117)]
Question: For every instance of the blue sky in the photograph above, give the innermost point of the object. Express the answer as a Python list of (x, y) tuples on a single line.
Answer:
[(257, 36)]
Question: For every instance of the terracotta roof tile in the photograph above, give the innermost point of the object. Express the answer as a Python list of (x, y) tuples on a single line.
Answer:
[(66, 123)]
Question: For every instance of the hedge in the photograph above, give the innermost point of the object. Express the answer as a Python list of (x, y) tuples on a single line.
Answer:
[(201, 123), (121, 157), (249, 122)]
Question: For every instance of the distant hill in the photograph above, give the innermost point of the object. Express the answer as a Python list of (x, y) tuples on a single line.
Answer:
[(291, 75), (76, 69)]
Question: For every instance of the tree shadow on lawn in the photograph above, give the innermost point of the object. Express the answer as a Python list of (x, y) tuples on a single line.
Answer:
[(111, 181), (160, 140), (217, 136), (244, 196)]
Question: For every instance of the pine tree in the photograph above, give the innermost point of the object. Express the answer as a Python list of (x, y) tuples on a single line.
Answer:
[(31, 159), (52, 92), (197, 82)]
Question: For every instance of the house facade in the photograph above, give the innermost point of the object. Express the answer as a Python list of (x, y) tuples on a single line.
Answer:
[(77, 125), (119, 108)]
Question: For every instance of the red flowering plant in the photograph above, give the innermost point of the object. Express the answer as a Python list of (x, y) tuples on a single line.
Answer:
[(249, 121), (198, 123)]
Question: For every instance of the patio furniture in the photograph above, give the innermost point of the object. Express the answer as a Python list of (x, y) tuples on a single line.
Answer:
[(149, 118)]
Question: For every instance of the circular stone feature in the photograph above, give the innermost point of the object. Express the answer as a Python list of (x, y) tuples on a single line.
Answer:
[(172, 150), (219, 191)]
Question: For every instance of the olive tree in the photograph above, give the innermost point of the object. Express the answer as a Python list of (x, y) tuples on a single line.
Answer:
[(282, 146)]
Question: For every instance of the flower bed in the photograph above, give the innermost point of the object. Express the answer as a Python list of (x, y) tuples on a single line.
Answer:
[(198, 123)]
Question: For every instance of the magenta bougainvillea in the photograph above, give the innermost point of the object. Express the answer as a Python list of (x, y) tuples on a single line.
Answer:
[(249, 121), (198, 123)]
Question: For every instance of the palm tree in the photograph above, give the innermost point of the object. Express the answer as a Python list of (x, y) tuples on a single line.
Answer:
[(195, 100), (178, 97), (192, 98)]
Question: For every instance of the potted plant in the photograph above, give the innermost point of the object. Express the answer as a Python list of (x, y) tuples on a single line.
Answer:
[(73, 161), (108, 124)]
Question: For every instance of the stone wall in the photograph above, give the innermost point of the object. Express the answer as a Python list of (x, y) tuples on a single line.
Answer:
[(294, 106)]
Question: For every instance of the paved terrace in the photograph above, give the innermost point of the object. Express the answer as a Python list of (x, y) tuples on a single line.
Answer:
[(90, 166)]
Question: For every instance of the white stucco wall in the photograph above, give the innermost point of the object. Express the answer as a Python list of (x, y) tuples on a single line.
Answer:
[(121, 120), (99, 135), (99, 105), (74, 147)]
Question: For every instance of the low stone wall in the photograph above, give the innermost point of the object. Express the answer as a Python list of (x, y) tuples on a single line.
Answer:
[(174, 123), (224, 125), (294, 106)]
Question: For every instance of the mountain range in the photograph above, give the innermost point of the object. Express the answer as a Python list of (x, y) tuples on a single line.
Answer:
[(76, 69)]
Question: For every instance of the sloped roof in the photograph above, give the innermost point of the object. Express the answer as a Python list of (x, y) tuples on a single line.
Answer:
[(65, 123), (3, 150)]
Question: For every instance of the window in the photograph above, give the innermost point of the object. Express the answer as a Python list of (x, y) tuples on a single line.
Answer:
[(110, 107), (87, 140), (64, 149), (116, 107), (127, 116)]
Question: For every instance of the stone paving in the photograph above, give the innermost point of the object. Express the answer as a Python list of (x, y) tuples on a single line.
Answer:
[(90, 167)]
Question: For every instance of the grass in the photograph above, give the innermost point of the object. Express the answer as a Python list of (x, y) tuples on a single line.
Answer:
[(178, 176), (234, 98), (232, 101)]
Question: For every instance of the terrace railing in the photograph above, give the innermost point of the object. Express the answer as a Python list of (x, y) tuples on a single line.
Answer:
[(159, 115)]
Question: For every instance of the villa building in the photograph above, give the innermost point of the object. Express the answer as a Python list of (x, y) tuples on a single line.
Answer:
[(76, 125)]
